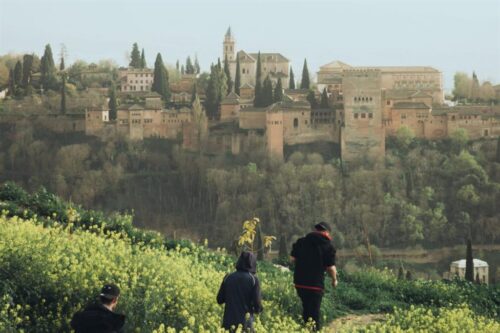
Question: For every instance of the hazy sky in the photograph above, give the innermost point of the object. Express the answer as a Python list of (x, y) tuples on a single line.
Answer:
[(454, 35)]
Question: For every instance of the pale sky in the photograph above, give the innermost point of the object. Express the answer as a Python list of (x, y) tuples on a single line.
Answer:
[(450, 35)]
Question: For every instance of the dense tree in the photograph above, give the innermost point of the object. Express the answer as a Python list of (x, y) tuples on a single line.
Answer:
[(63, 86), (197, 68), (311, 98), (18, 74), (27, 70), (324, 100), (189, 66), (469, 262), (48, 69), (135, 57), (143, 59), (258, 100), (227, 72), (278, 91), (305, 83), (267, 92), (160, 79), (237, 77), (291, 83), (112, 104)]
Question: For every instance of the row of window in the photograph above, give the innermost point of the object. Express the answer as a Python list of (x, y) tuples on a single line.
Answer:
[(134, 88), (363, 115), (362, 99), (142, 75), (141, 81)]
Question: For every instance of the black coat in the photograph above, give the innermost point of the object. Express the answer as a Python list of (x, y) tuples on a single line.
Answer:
[(240, 291), (313, 254), (97, 318)]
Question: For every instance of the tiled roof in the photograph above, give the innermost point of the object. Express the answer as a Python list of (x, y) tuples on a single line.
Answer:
[(231, 98), (270, 57), (411, 105)]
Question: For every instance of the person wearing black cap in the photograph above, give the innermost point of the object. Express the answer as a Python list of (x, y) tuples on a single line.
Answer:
[(313, 255), (100, 317), (240, 291)]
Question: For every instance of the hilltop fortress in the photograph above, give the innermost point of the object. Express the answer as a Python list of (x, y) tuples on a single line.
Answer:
[(365, 106)]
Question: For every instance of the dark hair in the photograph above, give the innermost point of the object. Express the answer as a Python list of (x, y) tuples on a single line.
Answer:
[(106, 300)]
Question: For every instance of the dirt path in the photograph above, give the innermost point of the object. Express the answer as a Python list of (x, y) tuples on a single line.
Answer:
[(354, 321)]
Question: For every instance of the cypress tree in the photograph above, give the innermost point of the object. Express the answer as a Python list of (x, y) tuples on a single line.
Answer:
[(135, 57), (237, 78), (311, 98), (47, 69), (18, 74), (324, 99), (278, 91), (401, 273), (228, 76), (283, 250), (257, 102), (222, 88), (478, 280), (469, 263), (291, 83), (63, 87), (160, 79), (305, 83), (27, 70), (267, 92), (189, 66), (12, 86), (143, 59), (194, 93), (197, 68), (112, 102), (212, 93), (498, 149)]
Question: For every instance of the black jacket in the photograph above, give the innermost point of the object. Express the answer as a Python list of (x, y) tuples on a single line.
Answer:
[(241, 292), (97, 318), (313, 254)]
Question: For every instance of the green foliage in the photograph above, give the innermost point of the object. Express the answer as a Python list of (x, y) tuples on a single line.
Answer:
[(112, 104), (160, 79), (227, 72), (469, 263), (324, 99), (267, 92), (48, 70), (135, 57), (311, 98), (237, 77), (259, 93), (143, 60), (278, 91), (305, 83), (291, 83)]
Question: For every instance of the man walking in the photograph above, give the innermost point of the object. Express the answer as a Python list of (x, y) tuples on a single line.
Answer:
[(240, 291), (313, 255), (100, 317)]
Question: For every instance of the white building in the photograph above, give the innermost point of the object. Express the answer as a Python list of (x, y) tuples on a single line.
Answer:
[(480, 268)]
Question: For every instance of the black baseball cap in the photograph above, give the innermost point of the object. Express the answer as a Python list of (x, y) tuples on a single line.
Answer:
[(110, 291), (322, 226)]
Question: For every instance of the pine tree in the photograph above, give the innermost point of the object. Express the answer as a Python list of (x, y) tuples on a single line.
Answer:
[(27, 70), (469, 263), (311, 98), (135, 57), (228, 76), (48, 69), (237, 78), (291, 83), (189, 66), (112, 102), (267, 92), (63, 86), (278, 91), (197, 68), (257, 102), (324, 100), (305, 83), (160, 79), (143, 59), (18, 74)]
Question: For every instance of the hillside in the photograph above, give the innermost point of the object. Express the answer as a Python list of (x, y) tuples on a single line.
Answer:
[(53, 264)]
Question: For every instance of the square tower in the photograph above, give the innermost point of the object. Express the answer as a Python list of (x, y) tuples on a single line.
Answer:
[(363, 133)]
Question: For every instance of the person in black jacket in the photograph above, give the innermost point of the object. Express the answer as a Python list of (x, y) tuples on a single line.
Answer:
[(240, 291), (100, 317), (313, 255)]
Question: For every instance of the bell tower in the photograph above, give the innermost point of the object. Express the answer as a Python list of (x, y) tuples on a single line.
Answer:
[(229, 46)]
